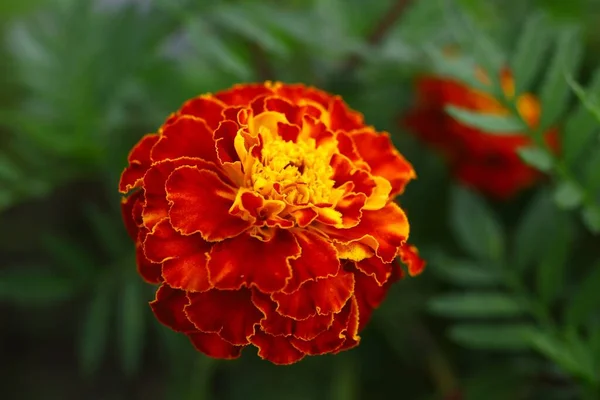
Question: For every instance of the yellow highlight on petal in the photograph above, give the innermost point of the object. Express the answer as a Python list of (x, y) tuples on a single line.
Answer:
[(354, 251)]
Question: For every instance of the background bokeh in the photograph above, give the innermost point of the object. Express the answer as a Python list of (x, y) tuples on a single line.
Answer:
[(81, 81)]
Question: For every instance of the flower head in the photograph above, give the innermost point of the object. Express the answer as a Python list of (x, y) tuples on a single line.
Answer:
[(266, 214), (487, 162)]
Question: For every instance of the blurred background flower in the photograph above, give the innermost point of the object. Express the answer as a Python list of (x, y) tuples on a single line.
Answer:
[(508, 305)]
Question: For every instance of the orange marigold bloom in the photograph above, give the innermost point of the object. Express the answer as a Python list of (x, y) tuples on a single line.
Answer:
[(266, 214), (487, 162)]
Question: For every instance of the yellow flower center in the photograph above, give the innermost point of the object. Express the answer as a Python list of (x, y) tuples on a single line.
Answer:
[(296, 172)]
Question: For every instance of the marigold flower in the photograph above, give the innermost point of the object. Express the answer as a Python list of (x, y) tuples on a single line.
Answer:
[(266, 214), (487, 162)]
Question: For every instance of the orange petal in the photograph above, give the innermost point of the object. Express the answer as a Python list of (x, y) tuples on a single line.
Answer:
[(230, 313), (186, 137), (183, 257), (409, 255), (205, 107), (318, 259), (276, 349), (345, 171), (224, 138), (291, 111), (288, 132), (383, 230), (385, 161), (299, 93), (343, 118), (344, 327), (304, 216), (376, 268), (139, 162), (248, 261), (322, 296), (347, 148), (241, 95), (156, 206), (212, 345), (200, 202), (168, 307), (277, 325)]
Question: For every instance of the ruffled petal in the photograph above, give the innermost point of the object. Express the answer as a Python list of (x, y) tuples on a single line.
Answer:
[(344, 327), (212, 345), (187, 136), (127, 206), (156, 206), (183, 258), (276, 324), (150, 271), (200, 202), (379, 152), (240, 95), (230, 313), (168, 307), (375, 268), (249, 261), (342, 118), (318, 259), (205, 107), (409, 255), (322, 296), (276, 349), (383, 230), (224, 139), (139, 162)]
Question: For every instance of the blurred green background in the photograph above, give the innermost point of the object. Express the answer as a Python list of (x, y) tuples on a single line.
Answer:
[(507, 309)]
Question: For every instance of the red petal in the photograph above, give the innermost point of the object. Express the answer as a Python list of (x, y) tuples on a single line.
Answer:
[(205, 107), (343, 118), (383, 230), (409, 255), (323, 296), (224, 139), (200, 202), (375, 268), (287, 132), (369, 295), (276, 349), (241, 95), (139, 162), (156, 206), (248, 261), (183, 257), (347, 147), (299, 93), (186, 137), (352, 338), (213, 346), (335, 337), (168, 308), (127, 207), (385, 161), (344, 171), (277, 325), (317, 260), (351, 208), (304, 216), (230, 313), (149, 271), (291, 111), (315, 129)]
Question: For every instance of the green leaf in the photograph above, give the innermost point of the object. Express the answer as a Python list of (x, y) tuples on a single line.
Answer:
[(34, 286), (69, 255), (471, 305), (131, 338), (536, 157), (94, 333), (568, 195), (592, 172), (244, 21), (554, 258), (513, 336), (585, 298), (591, 218), (107, 232), (489, 123), (554, 93), (474, 225), (537, 221), (582, 124), (459, 68), (528, 56), (463, 272), (560, 353)]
